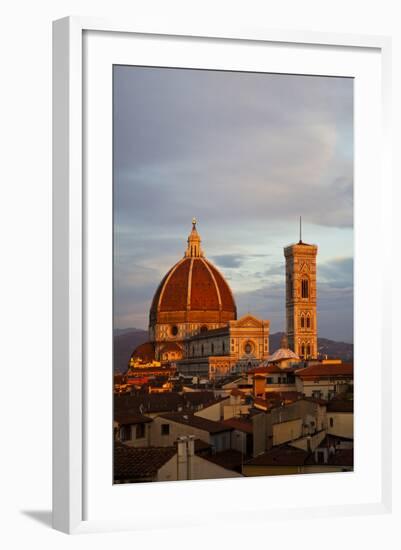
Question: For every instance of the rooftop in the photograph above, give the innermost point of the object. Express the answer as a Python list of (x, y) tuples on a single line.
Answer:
[(326, 370), (280, 456), (337, 405), (204, 424), (229, 459), (240, 424), (162, 402), (139, 463), (131, 418)]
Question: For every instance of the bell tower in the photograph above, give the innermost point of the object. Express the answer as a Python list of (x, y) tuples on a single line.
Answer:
[(300, 302)]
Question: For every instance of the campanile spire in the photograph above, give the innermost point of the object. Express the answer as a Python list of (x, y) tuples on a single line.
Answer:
[(194, 248)]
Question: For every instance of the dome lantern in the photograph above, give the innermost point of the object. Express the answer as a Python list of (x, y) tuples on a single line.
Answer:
[(194, 249)]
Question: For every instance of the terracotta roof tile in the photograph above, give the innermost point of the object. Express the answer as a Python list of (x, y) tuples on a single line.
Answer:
[(131, 418), (280, 456), (139, 463), (326, 370), (207, 289), (197, 422), (240, 424)]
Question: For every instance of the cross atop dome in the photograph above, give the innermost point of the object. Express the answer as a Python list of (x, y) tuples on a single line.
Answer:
[(194, 249)]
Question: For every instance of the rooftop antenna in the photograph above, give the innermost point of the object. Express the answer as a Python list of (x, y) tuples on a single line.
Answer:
[(300, 229)]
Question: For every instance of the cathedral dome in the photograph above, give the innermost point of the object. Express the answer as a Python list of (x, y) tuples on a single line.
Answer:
[(193, 291)]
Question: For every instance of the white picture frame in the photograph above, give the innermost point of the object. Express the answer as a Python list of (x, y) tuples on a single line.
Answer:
[(70, 258)]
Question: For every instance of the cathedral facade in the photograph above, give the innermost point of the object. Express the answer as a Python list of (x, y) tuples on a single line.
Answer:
[(193, 317)]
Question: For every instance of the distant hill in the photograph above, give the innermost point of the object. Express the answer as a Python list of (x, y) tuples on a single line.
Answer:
[(120, 331), (331, 348), (126, 340)]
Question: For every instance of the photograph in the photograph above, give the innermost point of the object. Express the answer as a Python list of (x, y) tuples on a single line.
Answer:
[(233, 287)]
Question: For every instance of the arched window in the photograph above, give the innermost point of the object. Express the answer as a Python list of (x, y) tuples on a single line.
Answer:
[(303, 350), (308, 321), (203, 328), (308, 350), (305, 288), (302, 320)]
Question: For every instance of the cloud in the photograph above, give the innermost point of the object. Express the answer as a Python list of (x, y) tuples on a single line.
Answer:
[(242, 144), (245, 153), (337, 273), (229, 260), (234, 260)]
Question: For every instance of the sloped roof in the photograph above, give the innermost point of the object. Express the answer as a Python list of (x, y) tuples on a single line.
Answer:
[(326, 370), (132, 463), (266, 369), (240, 424), (197, 422), (337, 405), (163, 402), (131, 418), (148, 403), (284, 455)]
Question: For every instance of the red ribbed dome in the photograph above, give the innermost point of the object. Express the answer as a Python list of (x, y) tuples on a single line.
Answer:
[(193, 291)]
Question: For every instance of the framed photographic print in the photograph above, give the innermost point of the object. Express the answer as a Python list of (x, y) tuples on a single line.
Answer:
[(219, 316)]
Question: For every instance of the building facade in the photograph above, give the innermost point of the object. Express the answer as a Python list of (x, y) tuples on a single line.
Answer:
[(234, 349)]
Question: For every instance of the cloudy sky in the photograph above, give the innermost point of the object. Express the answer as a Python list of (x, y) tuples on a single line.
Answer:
[(246, 154)]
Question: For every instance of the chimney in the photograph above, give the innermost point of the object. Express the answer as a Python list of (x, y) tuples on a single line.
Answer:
[(191, 455), (182, 458)]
